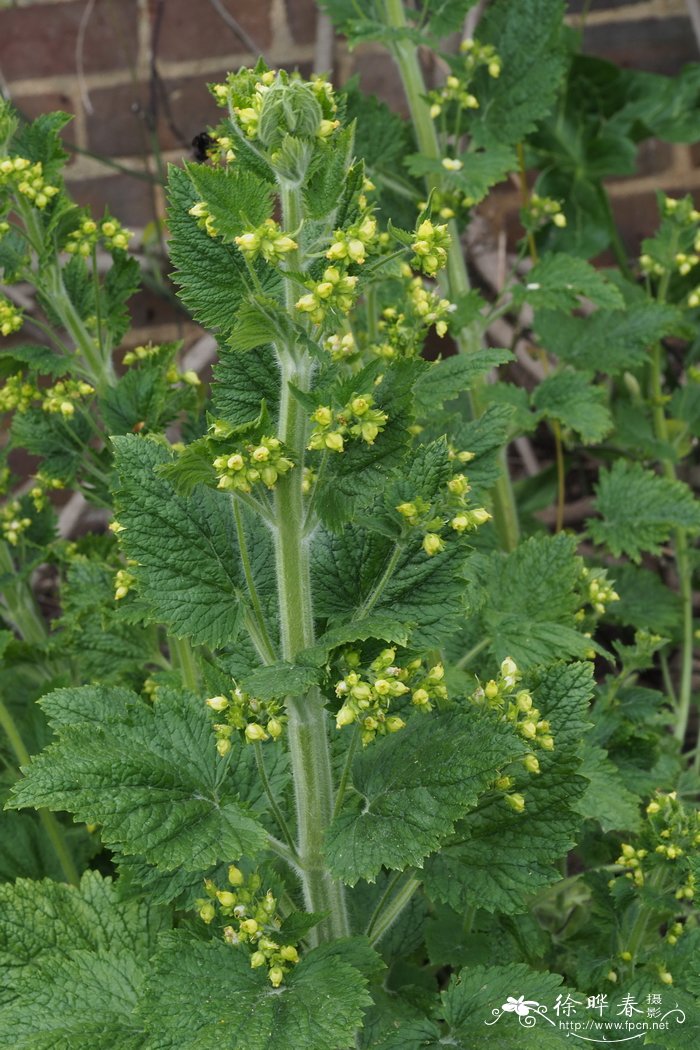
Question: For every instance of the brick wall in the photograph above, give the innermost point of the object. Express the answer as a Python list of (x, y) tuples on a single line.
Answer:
[(133, 73)]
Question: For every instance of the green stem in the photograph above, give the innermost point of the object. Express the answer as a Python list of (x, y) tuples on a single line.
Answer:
[(309, 749), (51, 826), (345, 776), (250, 583), (183, 658), (277, 812), (465, 660), (681, 550), (376, 593), (455, 279), (391, 911), (22, 611)]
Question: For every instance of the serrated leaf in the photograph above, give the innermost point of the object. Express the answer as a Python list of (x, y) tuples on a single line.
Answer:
[(447, 379), (607, 341), (527, 600), (235, 197), (480, 170), (640, 509), (243, 382), (502, 858), (121, 281), (528, 38), (411, 788), (212, 275), (473, 996), (149, 775), (645, 601), (576, 402), (558, 280), (61, 946), (423, 593), (607, 799), (204, 996), (184, 547)]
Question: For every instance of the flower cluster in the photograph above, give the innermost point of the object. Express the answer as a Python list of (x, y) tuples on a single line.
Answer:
[(251, 464), (123, 582), (341, 346), (539, 211), (516, 706), (27, 179), (61, 397), (336, 291), (477, 54), (42, 486), (17, 394), (451, 508), (353, 244), (268, 241), (84, 239), (367, 696), (676, 249), (430, 248), (254, 924), (596, 593), (251, 95), (10, 317), (357, 420), (205, 220), (12, 523), (257, 720), (672, 832)]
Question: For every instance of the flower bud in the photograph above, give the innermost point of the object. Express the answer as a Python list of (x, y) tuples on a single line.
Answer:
[(257, 959), (235, 875)]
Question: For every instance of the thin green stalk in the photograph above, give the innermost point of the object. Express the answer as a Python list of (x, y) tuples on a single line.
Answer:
[(378, 589), (465, 660), (21, 607), (51, 826), (392, 910), (250, 583), (183, 659), (308, 743), (345, 775), (277, 812), (455, 279), (680, 543)]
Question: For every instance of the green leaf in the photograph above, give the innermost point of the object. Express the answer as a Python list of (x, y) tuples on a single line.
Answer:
[(205, 996), (447, 379), (423, 593), (640, 509), (501, 858), (187, 569), (528, 39), (607, 341), (473, 996), (212, 275), (327, 175), (645, 601), (481, 170), (243, 382), (576, 402), (149, 774), (558, 281), (121, 281), (485, 437), (526, 600), (236, 198), (607, 799), (411, 788), (62, 947)]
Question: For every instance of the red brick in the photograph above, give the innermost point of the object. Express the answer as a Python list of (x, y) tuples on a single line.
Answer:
[(117, 126), (129, 198), (32, 106), (196, 30), (41, 39), (656, 45), (301, 18)]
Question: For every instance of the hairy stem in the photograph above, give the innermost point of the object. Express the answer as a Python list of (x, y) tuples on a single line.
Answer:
[(183, 658), (22, 612), (455, 279), (391, 911), (277, 812), (250, 583), (308, 743)]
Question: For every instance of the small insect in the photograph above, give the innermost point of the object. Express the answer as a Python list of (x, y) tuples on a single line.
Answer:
[(201, 144)]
